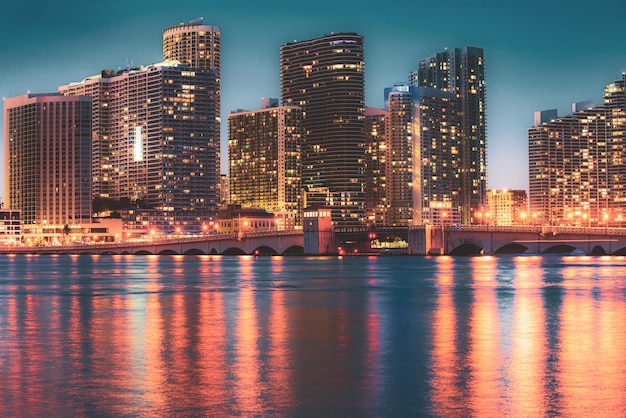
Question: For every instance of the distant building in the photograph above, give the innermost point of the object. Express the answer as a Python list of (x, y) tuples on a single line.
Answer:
[(402, 157), (506, 207), (325, 77), (462, 72), (376, 121), (156, 128), (235, 219), (577, 173), (224, 189), (195, 44), (47, 159), (10, 226), (264, 161), (423, 156)]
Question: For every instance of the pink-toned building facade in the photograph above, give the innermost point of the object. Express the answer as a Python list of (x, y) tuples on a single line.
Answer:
[(47, 158)]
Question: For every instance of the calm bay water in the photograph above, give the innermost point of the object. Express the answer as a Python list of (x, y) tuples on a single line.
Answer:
[(300, 336)]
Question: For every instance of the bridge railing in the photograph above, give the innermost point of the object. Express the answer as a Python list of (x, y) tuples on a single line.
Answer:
[(531, 228), (4, 249)]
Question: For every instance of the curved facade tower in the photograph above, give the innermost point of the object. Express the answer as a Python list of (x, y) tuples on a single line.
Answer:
[(194, 44), (325, 77)]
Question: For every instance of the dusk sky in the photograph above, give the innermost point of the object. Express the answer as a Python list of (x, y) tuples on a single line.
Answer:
[(539, 54)]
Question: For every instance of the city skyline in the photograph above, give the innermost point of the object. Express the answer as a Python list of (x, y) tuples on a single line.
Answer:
[(548, 57)]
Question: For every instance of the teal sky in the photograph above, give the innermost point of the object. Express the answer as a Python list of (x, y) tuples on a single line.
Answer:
[(539, 54)]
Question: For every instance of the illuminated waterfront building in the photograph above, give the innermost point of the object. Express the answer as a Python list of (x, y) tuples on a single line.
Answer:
[(325, 77), (47, 159), (423, 168), (10, 226), (194, 44), (235, 219), (376, 166), (156, 129), (576, 164), (505, 207), (401, 158), (264, 161), (462, 72)]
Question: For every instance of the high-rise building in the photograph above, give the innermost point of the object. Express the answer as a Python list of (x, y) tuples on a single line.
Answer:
[(576, 164), (462, 72), (156, 129), (47, 159), (401, 158), (376, 166), (264, 161), (423, 168), (194, 44), (160, 135), (325, 77)]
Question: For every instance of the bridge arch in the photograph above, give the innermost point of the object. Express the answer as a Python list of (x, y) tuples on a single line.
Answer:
[(168, 252), (559, 249), (234, 251), (264, 250), (513, 248), (598, 250), (621, 251), (467, 249), (143, 252), (194, 251), (294, 250)]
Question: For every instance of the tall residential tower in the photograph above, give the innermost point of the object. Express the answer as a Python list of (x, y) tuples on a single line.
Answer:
[(264, 161), (156, 129), (462, 72), (325, 77), (576, 163), (47, 159)]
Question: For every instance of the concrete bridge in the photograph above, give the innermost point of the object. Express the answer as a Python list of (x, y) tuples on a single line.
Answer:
[(259, 243), (474, 239), (428, 240)]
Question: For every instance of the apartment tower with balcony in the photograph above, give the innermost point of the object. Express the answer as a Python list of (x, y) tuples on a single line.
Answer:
[(325, 77)]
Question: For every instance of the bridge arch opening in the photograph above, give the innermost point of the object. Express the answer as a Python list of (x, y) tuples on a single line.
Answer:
[(597, 250), (467, 249), (143, 252), (234, 251), (621, 251), (264, 250), (213, 251), (514, 248), (559, 249), (294, 250), (194, 251), (167, 252)]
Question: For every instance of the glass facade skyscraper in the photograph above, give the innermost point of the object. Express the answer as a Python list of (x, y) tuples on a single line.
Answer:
[(462, 72), (423, 169), (325, 77)]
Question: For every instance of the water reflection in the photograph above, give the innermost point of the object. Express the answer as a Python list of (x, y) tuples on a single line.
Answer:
[(223, 336)]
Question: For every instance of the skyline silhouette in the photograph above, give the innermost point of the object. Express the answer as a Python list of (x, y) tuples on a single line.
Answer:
[(538, 56)]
